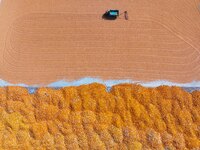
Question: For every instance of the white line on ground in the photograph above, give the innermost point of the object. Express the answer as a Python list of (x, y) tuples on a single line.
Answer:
[(108, 83)]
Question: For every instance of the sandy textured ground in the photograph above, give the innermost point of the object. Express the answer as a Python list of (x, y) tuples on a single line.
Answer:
[(43, 41), (129, 117)]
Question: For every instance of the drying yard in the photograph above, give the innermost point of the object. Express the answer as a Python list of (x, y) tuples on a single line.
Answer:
[(42, 41)]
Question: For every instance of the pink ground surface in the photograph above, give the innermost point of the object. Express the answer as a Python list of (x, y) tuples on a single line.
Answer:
[(43, 41)]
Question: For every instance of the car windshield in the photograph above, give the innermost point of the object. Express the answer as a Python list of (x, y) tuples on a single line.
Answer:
[(113, 13)]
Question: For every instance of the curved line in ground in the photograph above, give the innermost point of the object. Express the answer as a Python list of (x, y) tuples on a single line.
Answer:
[(190, 45), (153, 20), (177, 35), (136, 62), (187, 43), (17, 51), (197, 6), (122, 70), (155, 74), (11, 64)]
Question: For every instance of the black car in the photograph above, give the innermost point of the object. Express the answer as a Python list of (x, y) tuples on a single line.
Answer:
[(111, 14)]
